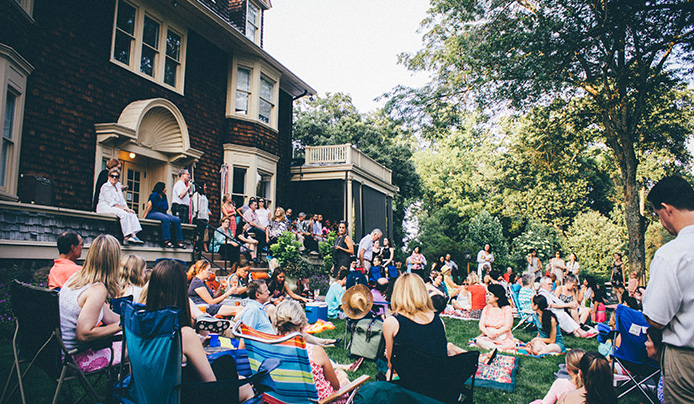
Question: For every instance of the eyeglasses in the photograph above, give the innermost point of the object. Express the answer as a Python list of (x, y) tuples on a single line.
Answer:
[(114, 175)]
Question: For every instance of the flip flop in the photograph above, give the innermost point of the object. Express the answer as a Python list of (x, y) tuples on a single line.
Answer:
[(355, 366)]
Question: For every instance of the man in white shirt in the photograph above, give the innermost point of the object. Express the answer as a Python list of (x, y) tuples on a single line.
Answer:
[(251, 217), (182, 190), (566, 323), (668, 303), (366, 249)]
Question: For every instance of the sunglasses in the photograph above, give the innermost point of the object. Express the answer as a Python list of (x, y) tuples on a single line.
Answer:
[(114, 176)]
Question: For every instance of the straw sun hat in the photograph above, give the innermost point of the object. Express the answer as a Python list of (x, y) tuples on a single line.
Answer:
[(357, 301)]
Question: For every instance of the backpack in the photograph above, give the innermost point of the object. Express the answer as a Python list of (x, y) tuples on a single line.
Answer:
[(366, 338)]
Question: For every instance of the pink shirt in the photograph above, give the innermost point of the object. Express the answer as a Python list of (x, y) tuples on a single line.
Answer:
[(559, 388), (62, 269)]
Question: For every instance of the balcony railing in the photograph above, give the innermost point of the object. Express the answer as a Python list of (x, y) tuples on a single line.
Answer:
[(346, 154)]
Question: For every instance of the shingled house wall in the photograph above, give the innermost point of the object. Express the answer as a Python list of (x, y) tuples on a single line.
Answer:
[(75, 86)]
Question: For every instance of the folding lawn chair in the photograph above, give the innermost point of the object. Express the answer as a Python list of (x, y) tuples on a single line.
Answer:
[(153, 340), (631, 354), (524, 316), (37, 340), (293, 379), (441, 378)]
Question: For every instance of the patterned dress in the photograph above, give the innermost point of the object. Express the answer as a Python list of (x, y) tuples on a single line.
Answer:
[(494, 317), (323, 386)]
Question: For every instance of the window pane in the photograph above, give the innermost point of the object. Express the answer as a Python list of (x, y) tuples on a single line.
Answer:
[(267, 89), (150, 33), (147, 61), (264, 111), (4, 160), (121, 48), (126, 17), (250, 31), (173, 45), (170, 70), (243, 79), (8, 125), (241, 102), (252, 16), (239, 184)]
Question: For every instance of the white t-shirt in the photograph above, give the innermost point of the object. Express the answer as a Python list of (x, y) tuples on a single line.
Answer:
[(201, 205), (178, 189), (263, 217), (366, 244), (669, 297)]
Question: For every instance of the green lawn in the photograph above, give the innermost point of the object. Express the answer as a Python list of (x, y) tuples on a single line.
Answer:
[(533, 379)]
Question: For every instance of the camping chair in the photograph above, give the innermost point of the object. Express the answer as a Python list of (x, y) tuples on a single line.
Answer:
[(631, 353), (293, 379), (442, 378), (153, 340), (37, 340), (525, 316)]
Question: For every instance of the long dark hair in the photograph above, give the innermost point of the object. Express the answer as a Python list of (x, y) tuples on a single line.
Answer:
[(168, 287), (274, 283), (597, 379), (547, 315), (159, 188), (500, 293)]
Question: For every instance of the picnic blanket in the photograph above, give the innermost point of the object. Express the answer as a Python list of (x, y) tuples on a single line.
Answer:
[(500, 374), (459, 314)]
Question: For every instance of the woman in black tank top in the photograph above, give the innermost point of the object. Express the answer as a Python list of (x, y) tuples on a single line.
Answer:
[(343, 249), (414, 322)]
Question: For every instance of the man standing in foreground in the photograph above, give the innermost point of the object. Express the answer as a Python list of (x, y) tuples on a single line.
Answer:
[(668, 303), (70, 248), (366, 249)]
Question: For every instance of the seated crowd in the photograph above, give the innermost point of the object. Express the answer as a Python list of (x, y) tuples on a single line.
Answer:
[(409, 304)]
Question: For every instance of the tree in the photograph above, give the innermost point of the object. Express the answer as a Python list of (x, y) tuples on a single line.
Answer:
[(486, 229), (620, 55), (544, 239), (333, 119)]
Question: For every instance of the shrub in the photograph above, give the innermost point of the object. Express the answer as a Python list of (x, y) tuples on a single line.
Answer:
[(594, 238), (486, 229), (545, 239)]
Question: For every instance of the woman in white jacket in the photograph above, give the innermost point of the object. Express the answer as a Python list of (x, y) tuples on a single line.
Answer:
[(111, 201)]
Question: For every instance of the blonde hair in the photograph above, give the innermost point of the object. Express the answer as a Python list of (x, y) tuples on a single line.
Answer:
[(573, 361), (196, 268), (289, 317), (226, 198), (472, 278), (410, 296), (282, 217), (100, 266), (131, 271)]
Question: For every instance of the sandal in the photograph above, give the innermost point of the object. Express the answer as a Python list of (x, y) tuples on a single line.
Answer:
[(180, 245), (206, 322), (168, 244)]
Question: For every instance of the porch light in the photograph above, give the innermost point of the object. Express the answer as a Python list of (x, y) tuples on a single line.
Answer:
[(131, 155)]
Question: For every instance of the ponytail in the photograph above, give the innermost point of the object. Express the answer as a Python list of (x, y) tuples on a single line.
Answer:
[(597, 379)]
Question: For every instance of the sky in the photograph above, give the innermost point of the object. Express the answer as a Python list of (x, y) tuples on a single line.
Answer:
[(348, 46)]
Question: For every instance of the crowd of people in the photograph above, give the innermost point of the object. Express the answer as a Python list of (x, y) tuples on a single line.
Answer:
[(559, 298)]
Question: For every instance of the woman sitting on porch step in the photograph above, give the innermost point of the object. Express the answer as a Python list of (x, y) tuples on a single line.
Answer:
[(157, 205), (111, 200)]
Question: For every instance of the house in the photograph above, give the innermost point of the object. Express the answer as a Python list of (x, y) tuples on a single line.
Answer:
[(160, 85)]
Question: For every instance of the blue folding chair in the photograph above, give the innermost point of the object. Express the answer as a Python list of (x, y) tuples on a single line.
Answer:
[(631, 353), (524, 316), (153, 340)]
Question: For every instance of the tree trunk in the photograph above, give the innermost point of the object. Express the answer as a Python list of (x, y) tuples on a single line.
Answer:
[(636, 225)]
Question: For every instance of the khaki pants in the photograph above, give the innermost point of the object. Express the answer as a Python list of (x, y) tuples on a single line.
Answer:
[(677, 365)]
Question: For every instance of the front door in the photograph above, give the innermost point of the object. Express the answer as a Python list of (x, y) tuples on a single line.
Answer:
[(134, 179)]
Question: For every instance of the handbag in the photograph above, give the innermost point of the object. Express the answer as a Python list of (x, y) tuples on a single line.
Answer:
[(366, 338)]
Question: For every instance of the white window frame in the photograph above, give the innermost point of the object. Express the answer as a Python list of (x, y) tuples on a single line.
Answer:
[(256, 162), (258, 24), (161, 57), (14, 71), (244, 195), (258, 69)]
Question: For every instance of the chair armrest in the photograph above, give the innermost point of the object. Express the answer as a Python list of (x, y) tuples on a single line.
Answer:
[(351, 386), (236, 333), (96, 345)]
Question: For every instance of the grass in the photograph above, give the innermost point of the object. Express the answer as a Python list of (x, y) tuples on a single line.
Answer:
[(533, 379)]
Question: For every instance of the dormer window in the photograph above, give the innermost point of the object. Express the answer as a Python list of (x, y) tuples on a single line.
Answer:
[(253, 91), (253, 16)]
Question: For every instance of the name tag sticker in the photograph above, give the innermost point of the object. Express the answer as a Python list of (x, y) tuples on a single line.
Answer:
[(635, 329)]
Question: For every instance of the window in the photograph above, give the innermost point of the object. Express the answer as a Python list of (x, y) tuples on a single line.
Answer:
[(264, 186), (14, 71), (243, 90), (254, 91), (148, 45), (253, 23), (238, 186)]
